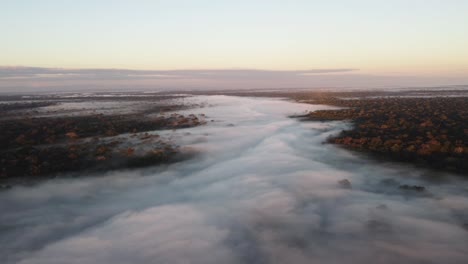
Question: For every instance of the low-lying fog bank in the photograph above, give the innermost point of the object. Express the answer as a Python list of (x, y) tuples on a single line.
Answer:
[(263, 189)]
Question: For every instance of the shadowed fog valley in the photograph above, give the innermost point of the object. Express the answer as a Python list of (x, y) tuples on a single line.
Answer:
[(258, 187)]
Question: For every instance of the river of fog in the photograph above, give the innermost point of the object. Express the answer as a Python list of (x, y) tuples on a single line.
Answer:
[(262, 188)]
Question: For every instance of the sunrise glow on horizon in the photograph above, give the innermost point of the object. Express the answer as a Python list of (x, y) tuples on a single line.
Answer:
[(385, 38)]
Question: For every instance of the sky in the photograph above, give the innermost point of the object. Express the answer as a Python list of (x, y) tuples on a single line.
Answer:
[(380, 43)]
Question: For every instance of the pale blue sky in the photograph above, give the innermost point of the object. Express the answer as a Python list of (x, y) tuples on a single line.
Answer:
[(389, 37)]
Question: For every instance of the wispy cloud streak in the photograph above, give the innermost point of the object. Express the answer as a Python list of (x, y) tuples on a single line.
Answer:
[(37, 79), (37, 72)]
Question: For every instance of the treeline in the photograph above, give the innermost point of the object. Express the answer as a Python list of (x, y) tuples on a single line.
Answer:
[(433, 131)]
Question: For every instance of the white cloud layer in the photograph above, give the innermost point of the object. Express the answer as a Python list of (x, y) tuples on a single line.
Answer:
[(262, 191)]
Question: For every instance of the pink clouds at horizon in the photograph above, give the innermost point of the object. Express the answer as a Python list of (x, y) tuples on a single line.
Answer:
[(30, 79)]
